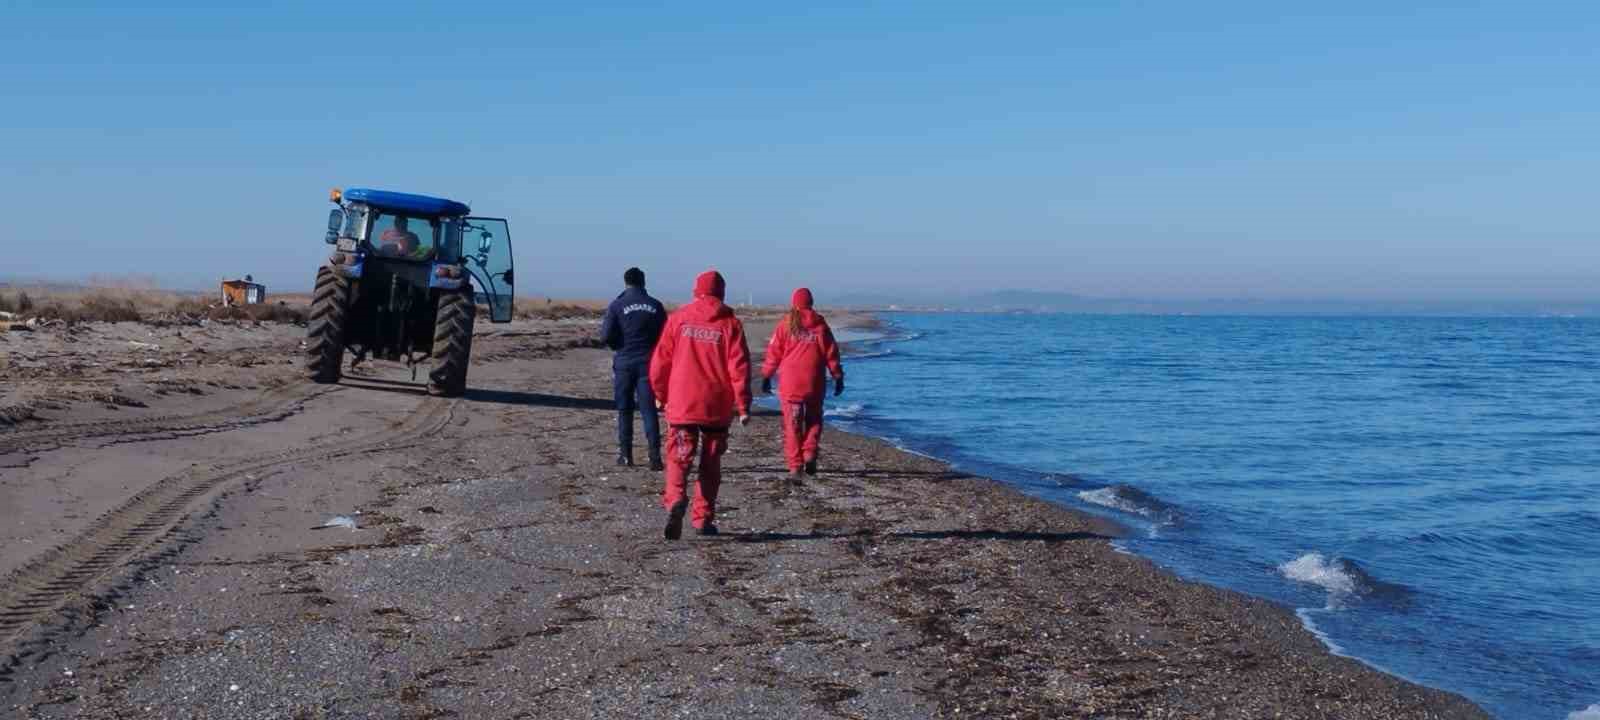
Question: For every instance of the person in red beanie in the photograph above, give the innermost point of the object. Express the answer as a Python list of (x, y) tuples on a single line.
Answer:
[(802, 347), (700, 373)]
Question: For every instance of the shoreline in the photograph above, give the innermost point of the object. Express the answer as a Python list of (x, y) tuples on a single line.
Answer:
[(882, 333), (1263, 622), (1280, 626), (1112, 530), (503, 566)]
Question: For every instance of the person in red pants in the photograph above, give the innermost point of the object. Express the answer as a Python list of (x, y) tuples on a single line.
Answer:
[(802, 347), (700, 372)]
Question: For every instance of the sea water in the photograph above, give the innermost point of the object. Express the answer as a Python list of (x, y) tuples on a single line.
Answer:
[(1424, 492)]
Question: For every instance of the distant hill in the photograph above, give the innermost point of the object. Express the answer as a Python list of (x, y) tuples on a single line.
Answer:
[(1033, 300)]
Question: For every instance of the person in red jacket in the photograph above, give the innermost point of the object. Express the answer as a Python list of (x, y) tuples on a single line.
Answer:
[(802, 347), (700, 373)]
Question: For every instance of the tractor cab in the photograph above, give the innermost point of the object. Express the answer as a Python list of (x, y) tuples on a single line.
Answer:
[(404, 281), (417, 235)]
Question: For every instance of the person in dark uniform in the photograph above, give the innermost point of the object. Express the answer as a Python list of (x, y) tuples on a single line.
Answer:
[(631, 327)]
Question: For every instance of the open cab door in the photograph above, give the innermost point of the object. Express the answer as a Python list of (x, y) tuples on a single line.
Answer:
[(486, 245)]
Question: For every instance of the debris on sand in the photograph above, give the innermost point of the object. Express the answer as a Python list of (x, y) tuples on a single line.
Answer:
[(15, 414), (344, 521)]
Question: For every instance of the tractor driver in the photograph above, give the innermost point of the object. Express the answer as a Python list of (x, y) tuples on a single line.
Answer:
[(398, 240)]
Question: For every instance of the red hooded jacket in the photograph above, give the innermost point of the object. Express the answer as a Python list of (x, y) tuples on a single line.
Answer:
[(799, 357), (701, 367)]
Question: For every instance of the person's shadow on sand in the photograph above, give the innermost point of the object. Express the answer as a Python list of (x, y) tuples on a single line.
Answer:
[(502, 397), (867, 474), (484, 395), (517, 397)]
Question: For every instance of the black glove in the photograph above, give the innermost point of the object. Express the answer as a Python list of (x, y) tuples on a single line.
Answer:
[(838, 387), (766, 386)]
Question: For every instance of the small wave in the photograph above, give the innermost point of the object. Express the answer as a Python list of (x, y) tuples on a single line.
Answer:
[(1336, 576), (1344, 580), (869, 355), (846, 412), (1590, 713), (1445, 385), (1064, 479), (905, 447), (1131, 500)]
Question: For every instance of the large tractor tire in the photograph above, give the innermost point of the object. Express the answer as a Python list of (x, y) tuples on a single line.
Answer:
[(452, 343), (330, 305)]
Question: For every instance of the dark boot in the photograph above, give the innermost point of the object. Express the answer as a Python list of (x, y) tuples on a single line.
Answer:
[(811, 466), (675, 520), (795, 478), (708, 529), (655, 461), (624, 459)]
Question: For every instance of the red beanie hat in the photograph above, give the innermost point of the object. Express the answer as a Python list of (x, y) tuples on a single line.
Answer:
[(710, 283)]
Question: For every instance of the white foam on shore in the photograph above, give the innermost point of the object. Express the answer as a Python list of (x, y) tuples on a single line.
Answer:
[(1336, 649), (846, 412), (1590, 713), (902, 447), (1311, 626), (1315, 569), (1109, 497)]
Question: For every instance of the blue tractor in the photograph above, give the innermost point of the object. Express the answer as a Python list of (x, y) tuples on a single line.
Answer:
[(400, 284)]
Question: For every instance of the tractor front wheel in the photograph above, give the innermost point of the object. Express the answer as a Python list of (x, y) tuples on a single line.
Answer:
[(325, 331), (452, 343)]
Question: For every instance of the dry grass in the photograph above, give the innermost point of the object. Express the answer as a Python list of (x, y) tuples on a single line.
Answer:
[(19, 303), (123, 304), (557, 309), (137, 305), (132, 304), (550, 309)]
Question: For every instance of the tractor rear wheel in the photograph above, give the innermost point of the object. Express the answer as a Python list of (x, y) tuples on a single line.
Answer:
[(452, 343), (325, 332)]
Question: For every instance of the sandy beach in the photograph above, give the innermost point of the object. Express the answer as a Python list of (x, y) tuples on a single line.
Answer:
[(163, 492)]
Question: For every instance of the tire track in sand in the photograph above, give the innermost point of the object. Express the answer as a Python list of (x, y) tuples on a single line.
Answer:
[(48, 583), (271, 406)]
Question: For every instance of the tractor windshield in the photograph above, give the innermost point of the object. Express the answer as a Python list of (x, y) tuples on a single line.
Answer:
[(400, 236)]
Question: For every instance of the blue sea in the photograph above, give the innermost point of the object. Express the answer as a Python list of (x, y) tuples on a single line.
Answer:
[(1424, 491)]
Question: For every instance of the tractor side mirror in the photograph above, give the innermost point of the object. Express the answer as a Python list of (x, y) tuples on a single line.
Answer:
[(485, 241), (335, 222)]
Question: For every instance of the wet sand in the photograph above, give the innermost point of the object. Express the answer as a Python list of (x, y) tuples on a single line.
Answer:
[(163, 564)]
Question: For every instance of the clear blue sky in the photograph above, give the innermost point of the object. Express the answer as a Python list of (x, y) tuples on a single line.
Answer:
[(1170, 150)]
